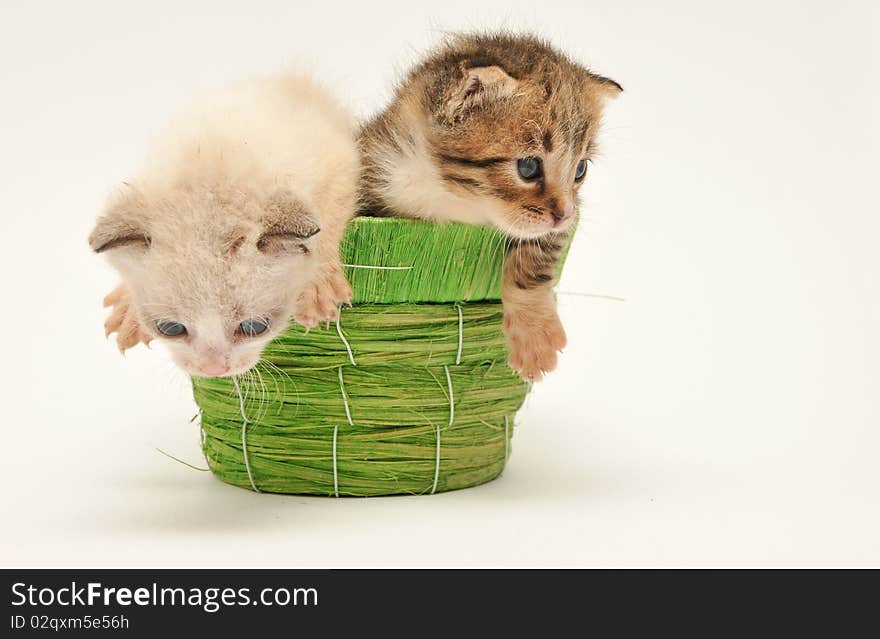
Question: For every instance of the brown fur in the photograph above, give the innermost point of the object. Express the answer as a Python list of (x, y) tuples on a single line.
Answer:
[(447, 149)]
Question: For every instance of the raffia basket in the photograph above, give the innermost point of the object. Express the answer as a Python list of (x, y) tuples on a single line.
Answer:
[(409, 393)]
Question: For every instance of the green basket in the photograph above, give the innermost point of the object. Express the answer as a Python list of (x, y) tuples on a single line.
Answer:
[(409, 393)]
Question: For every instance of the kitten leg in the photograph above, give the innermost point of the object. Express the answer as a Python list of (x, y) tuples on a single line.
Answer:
[(321, 298), (531, 324), (122, 320)]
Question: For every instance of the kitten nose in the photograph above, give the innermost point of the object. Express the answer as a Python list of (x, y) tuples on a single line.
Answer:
[(213, 370), (561, 214)]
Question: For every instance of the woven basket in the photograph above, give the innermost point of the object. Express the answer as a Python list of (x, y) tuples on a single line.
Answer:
[(409, 393)]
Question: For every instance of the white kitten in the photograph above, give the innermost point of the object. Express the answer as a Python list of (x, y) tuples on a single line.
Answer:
[(233, 226)]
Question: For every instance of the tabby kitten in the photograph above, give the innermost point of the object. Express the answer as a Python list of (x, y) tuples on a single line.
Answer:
[(495, 130)]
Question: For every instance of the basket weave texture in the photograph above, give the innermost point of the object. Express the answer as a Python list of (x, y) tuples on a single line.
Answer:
[(408, 394)]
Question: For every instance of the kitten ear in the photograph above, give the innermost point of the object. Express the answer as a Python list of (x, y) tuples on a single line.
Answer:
[(287, 226), (479, 85), (607, 87), (121, 226)]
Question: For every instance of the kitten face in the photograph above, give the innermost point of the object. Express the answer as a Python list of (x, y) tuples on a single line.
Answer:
[(216, 320), (490, 128), (212, 278), (522, 146)]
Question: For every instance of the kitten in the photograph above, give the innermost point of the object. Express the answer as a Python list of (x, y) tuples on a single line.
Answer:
[(495, 130), (233, 226)]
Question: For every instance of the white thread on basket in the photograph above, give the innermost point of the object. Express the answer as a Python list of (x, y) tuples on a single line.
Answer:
[(203, 436), (180, 461), (244, 424), (460, 334), (602, 296), (379, 268), (336, 431), (344, 397), (506, 439), (436, 462), (342, 337), (335, 473), (451, 397), (451, 420)]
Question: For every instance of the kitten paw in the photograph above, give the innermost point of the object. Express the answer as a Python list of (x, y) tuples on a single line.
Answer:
[(533, 342), (123, 322), (320, 300)]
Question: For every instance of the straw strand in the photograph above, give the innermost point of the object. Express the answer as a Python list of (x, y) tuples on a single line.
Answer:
[(335, 471), (460, 334), (342, 337), (244, 425)]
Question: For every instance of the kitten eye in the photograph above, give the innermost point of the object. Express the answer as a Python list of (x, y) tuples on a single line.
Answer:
[(170, 329), (580, 171), (253, 327), (529, 168)]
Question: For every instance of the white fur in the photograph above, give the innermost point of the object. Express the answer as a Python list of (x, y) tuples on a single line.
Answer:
[(214, 178), (282, 130), (412, 184)]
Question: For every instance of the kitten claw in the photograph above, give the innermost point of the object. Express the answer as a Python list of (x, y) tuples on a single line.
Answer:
[(533, 343), (122, 322), (115, 296), (320, 301)]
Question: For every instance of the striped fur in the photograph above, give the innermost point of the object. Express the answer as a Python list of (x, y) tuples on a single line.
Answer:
[(447, 148)]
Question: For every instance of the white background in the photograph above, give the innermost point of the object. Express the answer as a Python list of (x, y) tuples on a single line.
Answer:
[(726, 413)]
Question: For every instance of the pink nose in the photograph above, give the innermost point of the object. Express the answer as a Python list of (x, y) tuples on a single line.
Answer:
[(213, 370), (561, 214)]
